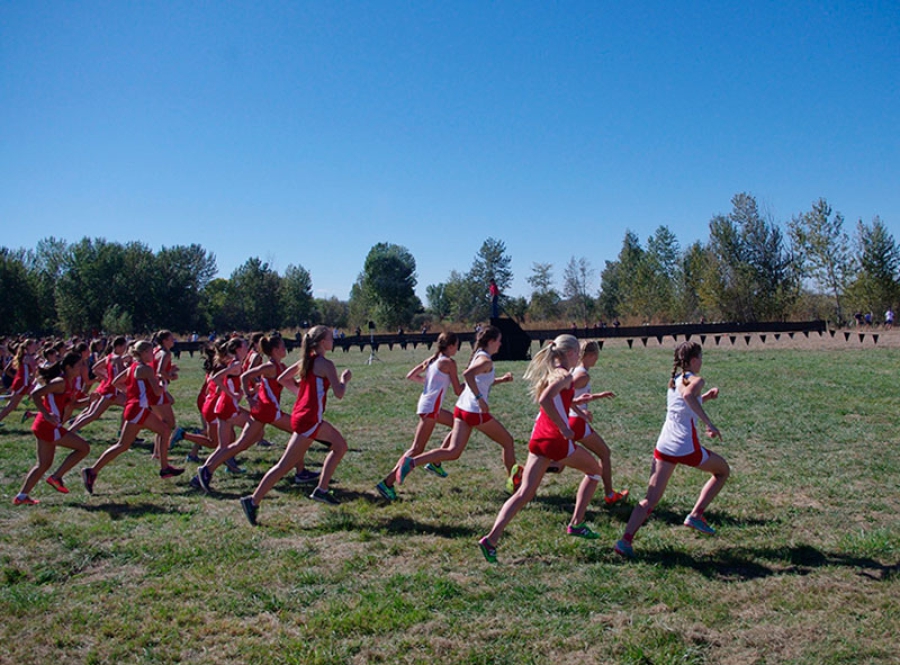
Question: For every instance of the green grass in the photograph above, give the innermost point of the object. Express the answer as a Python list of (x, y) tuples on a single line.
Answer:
[(804, 569)]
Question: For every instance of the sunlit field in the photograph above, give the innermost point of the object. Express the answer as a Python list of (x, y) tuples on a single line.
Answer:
[(803, 569)]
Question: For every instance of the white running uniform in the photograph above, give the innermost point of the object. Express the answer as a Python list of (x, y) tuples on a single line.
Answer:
[(586, 390), (436, 383), (678, 437), (483, 382)]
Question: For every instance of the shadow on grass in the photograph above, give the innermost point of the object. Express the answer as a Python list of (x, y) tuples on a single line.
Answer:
[(402, 525), (744, 564), (621, 512), (117, 511)]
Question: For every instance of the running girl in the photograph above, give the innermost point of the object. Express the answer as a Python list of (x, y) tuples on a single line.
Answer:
[(551, 441), (580, 418), (105, 395), (142, 389), (55, 390), (678, 443), (227, 382), (166, 372), (313, 374), (264, 396), (24, 364), (439, 373), (472, 411)]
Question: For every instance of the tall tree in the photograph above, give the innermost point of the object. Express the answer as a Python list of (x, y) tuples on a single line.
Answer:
[(823, 250), (466, 298), (545, 300), (181, 273), (491, 263), (20, 293), (88, 284), (662, 275), (752, 276), (577, 279), (256, 289), (694, 268), (389, 277), (438, 303), (296, 296), (617, 280), (47, 262), (876, 286)]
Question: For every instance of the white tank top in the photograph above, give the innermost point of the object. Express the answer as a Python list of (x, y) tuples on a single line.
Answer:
[(679, 432), (576, 374), (436, 383), (483, 381)]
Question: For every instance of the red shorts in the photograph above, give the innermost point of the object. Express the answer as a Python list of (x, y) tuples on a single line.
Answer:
[(431, 414), (47, 431), (164, 398), (135, 413), (305, 424), (266, 412), (13, 390), (581, 427), (225, 409), (472, 419), (695, 459), (556, 449)]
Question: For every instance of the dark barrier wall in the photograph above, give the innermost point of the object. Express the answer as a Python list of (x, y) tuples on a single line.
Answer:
[(517, 342)]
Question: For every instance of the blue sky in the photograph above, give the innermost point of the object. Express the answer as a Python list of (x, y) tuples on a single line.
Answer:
[(305, 133)]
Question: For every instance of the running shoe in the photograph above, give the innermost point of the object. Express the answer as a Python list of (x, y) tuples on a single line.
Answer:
[(324, 497), (195, 483), (27, 415), (232, 467), (263, 443), (406, 465), (436, 469), (204, 477), (195, 459), (178, 436), (170, 472), (88, 476), (699, 524), (488, 550), (57, 484), (514, 479), (615, 497), (250, 509), (623, 548), (386, 492), (306, 477), (26, 501), (582, 531)]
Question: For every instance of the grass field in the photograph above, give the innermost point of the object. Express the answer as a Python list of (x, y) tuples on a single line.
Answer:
[(803, 570)]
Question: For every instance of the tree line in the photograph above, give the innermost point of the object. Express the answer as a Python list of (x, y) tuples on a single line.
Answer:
[(750, 268)]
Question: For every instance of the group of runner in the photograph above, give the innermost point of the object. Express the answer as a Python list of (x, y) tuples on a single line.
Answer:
[(136, 375)]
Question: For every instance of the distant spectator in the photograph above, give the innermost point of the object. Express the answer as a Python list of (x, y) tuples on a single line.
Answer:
[(889, 318), (494, 292)]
